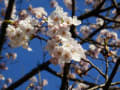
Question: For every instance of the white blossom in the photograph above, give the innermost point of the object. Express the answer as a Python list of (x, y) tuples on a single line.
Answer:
[(21, 34), (92, 47), (33, 79), (39, 12), (99, 21), (85, 30), (2, 77), (68, 3), (76, 21), (62, 46)]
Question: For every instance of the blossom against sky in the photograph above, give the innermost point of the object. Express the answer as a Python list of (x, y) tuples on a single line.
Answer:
[(38, 20)]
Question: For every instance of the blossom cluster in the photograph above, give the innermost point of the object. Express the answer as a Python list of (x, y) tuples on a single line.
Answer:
[(24, 27), (21, 34), (86, 30), (36, 84), (106, 34), (104, 37), (62, 46)]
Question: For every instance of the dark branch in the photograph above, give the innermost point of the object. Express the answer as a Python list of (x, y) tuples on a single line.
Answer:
[(5, 24), (64, 85), (72, 79), (108, 19), (92, 34), (93, 12), (28, 75), (72, 29), (108, 83)]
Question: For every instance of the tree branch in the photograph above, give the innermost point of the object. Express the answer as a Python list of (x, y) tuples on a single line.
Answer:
[(108, 19), (108, 83), (64, 85), (93, 12), (92, 34), (95, 67), (72, 79), (28, 75), (5, 24), (102, 85)]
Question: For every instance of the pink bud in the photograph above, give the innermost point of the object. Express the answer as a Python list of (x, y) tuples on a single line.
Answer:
[(45, 82)]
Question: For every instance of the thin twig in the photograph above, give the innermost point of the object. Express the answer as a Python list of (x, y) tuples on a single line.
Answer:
[(95, 67), (93, 12), (102, 85), (72, 79), (114, 71)]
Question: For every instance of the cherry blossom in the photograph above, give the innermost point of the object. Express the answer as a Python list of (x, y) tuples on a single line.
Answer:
[(62, 46), (68, 3)]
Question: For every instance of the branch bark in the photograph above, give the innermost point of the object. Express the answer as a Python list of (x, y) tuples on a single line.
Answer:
[(114, 71), (28, 75), (72, 79), (93, 12), (64, 85), (5, 24)]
